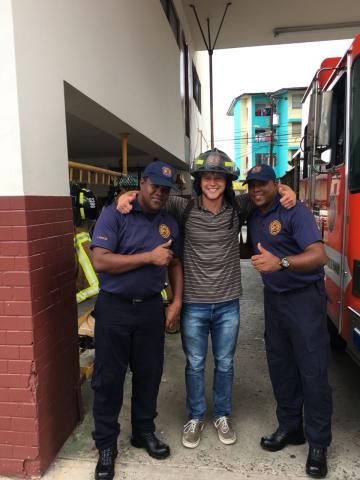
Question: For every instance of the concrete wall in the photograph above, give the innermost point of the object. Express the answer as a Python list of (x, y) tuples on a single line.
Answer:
[(243, 141), (121, 54), (11, 179)]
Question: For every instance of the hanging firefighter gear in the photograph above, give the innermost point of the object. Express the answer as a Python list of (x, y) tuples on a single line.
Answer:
[(83, 259)]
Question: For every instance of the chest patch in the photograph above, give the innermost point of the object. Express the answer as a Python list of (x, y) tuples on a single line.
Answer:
[(164, 230), (274, 227)]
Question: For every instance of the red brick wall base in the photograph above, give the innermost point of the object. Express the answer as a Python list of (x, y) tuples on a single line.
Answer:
[(39, 368)]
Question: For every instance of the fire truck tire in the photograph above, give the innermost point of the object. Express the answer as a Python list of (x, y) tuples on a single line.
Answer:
[(336, 340)]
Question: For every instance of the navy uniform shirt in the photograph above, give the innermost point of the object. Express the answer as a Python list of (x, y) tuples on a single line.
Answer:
[(284, 233), (136, 232)]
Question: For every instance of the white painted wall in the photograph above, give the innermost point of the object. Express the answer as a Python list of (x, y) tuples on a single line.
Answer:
[(199, 121), (200, 135), (11, 180), (120, 53)]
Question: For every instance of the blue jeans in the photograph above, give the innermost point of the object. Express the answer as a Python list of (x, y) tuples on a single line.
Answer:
[(222, 321)]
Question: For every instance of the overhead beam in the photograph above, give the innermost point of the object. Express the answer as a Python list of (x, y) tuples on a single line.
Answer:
[(310, 28)]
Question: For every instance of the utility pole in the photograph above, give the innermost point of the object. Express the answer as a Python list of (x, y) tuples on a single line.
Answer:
[(210, 49)]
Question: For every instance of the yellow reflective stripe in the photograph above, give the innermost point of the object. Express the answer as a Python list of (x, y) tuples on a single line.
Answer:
[(228, 164), (198, 161), (82, 236), (81, 201), (88, 270), (164, 294), (85, 263), (86, 293)]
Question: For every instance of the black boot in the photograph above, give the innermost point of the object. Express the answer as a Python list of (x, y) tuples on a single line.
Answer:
[(151, 443), (316, 465), (105, 467), (279, 439)]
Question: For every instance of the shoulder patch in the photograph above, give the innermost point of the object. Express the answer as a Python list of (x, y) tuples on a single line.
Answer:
[(274, 227), (164, 230)]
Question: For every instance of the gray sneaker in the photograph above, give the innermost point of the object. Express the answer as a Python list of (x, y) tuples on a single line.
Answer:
[(225, 430), (192, 433)]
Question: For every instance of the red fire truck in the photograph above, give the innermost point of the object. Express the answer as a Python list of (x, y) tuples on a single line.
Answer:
[(329, 184)]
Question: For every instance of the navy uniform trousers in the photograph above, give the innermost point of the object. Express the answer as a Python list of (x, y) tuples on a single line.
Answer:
[(297, 348), (126, 334)]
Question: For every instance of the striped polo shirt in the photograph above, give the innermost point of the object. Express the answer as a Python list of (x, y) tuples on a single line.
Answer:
[(211, 256)]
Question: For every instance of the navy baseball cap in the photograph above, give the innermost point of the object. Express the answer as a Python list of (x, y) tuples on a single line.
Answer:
[(261, 172), (160, 173)]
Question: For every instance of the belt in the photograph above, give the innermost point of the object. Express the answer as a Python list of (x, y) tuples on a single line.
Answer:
[(129, 300), (294, 290)]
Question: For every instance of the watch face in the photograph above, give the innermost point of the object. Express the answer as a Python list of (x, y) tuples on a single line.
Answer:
[(285, 263)]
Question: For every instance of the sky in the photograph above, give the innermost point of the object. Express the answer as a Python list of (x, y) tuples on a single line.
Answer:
[(262, 69)]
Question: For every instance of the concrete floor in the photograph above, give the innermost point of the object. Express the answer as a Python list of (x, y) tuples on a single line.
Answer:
[(253, 416)]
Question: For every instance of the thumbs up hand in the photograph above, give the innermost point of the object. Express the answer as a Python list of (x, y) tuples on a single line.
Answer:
[(162, 255), (265, 262)]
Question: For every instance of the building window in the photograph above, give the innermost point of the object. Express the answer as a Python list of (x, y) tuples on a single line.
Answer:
[(296, 129), (173, 18), (196, 88), (262, 135), (262, 158), (184, 83), (262, 110), (354, 137), (265, 158), (296, 101)]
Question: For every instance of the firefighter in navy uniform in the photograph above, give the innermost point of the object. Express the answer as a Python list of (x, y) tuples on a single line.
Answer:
[(290, 257), (131, 254)]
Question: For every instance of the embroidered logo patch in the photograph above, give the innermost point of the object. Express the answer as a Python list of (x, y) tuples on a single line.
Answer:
[(166, 171), (274, 227), (256, 169), (164, 230), (102, 237)]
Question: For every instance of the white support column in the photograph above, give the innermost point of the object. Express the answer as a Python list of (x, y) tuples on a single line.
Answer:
[(11, 178)]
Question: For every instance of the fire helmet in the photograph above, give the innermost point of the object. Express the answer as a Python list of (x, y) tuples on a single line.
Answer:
[(215, 161)]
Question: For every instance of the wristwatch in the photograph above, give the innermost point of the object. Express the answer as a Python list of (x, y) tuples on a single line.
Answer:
[(284, 263)]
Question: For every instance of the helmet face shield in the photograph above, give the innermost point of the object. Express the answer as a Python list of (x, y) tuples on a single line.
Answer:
[(215, 161)]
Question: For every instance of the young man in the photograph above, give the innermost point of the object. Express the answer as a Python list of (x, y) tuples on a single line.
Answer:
[(210, 306), (131, 254), (290, 257)]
